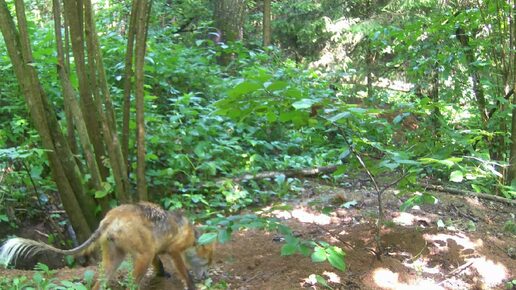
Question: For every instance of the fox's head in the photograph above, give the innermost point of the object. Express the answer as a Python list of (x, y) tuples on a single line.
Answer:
[(199, 258)]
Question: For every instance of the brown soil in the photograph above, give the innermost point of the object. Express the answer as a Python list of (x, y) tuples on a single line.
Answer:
[(472, 251)]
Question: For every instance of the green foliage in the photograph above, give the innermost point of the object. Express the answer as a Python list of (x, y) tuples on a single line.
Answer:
[(510, 227), (44, 280)]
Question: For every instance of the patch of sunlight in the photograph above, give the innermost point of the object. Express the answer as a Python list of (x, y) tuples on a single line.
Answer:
[(332, 277), (306, 217), (387, 279), (405, 219), (420, 266), (492, 273), (460, 239), (302, 215)]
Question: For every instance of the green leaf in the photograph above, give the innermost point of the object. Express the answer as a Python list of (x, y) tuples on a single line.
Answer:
[(456, 176), (319, 255), (288, 249), (244, 88), (336, 259), (3, 218), (224, 236), (320, 279), (276, 86), (207, 238), (339, 116), (88, 276), (303, 104)]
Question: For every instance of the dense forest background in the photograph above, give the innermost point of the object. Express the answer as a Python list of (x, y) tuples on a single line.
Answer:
[(220, 107)]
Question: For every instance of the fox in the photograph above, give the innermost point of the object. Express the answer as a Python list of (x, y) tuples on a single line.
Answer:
[(143, 230)]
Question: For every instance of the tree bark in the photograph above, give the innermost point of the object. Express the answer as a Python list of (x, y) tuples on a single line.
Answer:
[(267, 30), (229, 20), (128, 74), (141, 35), (64, 170), (72, 105), (73, 11), (104, 110)]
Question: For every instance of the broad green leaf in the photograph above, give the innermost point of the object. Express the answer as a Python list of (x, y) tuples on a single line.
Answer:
[(244, 88), (288, 249), (305, 250), (276, 86), (303, 104), (319, 255), (336, 259), (456, 176), (224, 236), (339, 116), (207, 238)]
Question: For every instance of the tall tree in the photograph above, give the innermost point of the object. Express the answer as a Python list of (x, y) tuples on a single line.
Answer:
[(141, 35), (65, 171), (229, 20), (267, 30), (90, 118)]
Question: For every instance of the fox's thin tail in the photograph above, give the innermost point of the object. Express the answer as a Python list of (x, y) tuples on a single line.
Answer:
[(14, 248)]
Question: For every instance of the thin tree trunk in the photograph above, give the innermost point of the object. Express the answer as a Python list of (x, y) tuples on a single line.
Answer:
[(141, 35), (61, 161), (512, 67), (434, 95), (267, 31), (70, 100), (128, 74), (73, 11)]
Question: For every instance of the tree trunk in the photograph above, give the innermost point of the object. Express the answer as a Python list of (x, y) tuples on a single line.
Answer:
[(512, 67), (141, 35), (72, 105), (434, 96), (61, 159), (267, 30), (229, 20), (128, 74)]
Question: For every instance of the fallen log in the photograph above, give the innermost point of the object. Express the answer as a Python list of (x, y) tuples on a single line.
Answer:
[(469, 193)]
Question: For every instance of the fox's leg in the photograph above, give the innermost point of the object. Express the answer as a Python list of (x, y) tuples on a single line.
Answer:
[(181, 269), (112, 257), (141, 262)]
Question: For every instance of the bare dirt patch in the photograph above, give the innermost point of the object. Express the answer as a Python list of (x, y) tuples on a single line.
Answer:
[(470, 249)]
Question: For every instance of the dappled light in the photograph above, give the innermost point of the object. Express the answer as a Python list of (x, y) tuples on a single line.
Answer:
[(442, 241), (293, 144), (492, 273), (386, 279), (304, 215)]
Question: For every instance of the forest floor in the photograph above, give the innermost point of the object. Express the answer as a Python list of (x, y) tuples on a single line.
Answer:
[(468, 250)]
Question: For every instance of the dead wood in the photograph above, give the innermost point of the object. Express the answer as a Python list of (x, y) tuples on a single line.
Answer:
[(457, 191)]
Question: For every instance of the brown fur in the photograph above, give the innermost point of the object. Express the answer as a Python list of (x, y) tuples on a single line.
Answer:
[(144, 231)]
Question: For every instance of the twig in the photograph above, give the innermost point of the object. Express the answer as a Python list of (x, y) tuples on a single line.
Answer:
[(456, 271), (334, 235), (420, 252), (379, 192)]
